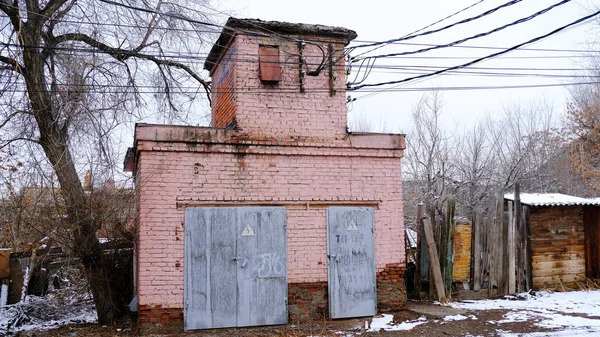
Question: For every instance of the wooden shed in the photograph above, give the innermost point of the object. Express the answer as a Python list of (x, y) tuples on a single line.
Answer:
[(564, 238)]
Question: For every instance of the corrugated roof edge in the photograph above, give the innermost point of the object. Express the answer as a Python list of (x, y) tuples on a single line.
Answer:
[(553, 199), (268, 27)]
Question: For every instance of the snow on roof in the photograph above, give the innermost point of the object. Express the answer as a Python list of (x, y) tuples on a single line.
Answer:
[(552, 199)]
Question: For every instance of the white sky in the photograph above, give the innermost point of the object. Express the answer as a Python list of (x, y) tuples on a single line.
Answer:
[(381, 20)]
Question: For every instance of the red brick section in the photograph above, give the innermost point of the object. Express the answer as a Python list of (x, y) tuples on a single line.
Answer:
[(307, 301), (391, 290), (158, 315)]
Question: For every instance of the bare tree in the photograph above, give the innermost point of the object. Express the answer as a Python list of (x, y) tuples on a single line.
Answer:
[(474, 164), (73, 71), (583, 134), (428, 170)]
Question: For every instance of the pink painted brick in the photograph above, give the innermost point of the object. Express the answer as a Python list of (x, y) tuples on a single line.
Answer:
[(291, 148)]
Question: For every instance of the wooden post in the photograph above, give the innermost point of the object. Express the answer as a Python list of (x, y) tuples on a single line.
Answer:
[(511, 249), (527, 257), (449, 244), (503, 245), (431, 261), (476, 252), (434, 261), (520, 239), (418, 285)]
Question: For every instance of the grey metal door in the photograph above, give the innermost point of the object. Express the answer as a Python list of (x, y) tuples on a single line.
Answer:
[(351, 267), (235, 267)]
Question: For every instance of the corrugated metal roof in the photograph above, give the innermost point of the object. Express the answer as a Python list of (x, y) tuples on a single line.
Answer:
[(552, 199)]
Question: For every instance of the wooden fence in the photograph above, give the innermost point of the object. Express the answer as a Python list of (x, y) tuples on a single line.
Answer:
[(500, 249)]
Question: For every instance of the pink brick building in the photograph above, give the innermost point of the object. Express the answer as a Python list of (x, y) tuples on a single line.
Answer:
[(278, 144)]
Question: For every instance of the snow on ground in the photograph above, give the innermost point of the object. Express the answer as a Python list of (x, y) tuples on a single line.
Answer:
[(569, 313), (385, 323), (39, 313), (455, 318)]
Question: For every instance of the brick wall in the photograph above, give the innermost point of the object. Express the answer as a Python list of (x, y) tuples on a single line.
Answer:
[(289, 148), (224, 92), (391, 290), (167, 178), (281, 109)]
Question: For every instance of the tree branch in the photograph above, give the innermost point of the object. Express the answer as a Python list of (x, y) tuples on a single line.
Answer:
[(12, 10), (124, 54), (52, 6), (12, 65)]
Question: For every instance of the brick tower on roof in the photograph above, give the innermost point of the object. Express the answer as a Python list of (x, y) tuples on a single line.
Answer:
[(279, 80)]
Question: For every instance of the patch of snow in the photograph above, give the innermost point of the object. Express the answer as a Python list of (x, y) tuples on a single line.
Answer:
[(385, 323), (564, 333), (576, 302), (515, 316), (25, 283), (551, 199), (3, 295), (560, 311), (455, 318), (71, 304)]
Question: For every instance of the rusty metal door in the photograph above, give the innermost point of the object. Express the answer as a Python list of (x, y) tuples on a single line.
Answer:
[(235, 267), (351, 262)]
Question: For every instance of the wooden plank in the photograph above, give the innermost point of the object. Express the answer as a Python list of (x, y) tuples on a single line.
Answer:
[(565, 249), (434, 261), (418, 284), (557, 257), (541, 282), (478, 251), (527, 248), (492, 250), (504, 221), (511, 250), (462, 270), (591, 223), (519, 243), (559, 264), (449, 243)]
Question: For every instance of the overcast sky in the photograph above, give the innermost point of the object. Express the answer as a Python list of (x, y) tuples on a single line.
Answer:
[(381, 20)]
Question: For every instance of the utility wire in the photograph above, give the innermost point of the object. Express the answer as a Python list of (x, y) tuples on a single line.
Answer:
[(490, 56), (514, 23), (258, 90), (429, 32), (200, 58), (499, 48), (416, 31)]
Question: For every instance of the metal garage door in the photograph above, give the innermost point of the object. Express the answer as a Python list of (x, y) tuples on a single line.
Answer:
[(351, 267), (235, 267)]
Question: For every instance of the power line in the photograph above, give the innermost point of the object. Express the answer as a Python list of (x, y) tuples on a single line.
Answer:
[(429, 32), (260, 90), (421, 29), (495, 30), (500, 48), (199, 58), (541, 37)]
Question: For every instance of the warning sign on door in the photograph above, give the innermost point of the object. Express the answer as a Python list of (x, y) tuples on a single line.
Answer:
[(248, 231), (352, 226)]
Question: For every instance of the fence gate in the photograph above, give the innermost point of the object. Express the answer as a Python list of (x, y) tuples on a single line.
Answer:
[(235, 267), (351, 267)]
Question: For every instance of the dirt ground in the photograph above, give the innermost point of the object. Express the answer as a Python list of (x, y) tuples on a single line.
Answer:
[(435, 326)]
